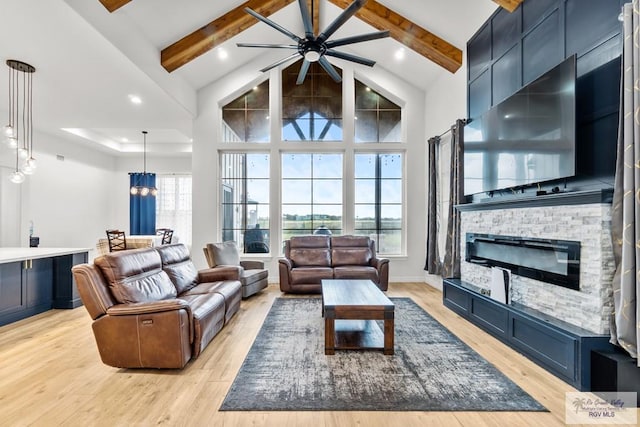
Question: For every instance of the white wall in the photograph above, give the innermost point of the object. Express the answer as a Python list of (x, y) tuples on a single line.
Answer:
[(70, 200), (206, 145), (444, 104)]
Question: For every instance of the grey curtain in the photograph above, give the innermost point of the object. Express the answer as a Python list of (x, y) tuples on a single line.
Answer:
[(433, 265), (625, 218), (449, 267)]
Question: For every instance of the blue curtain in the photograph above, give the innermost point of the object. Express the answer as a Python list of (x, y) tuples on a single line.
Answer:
[(142, 209)]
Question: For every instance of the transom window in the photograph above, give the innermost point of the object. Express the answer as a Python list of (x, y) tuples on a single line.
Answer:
[(377, 118), (311, 111), (311, 194), (246, 118)]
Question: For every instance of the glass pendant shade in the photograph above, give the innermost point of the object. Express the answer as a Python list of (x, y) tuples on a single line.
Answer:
[(133, 191), (8, 130), (11, 142), (144, 191), (17, 177), (23, 153)]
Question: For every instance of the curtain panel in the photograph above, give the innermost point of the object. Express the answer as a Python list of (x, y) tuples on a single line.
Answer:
[(449, 267), (142, 209), (625, 325)]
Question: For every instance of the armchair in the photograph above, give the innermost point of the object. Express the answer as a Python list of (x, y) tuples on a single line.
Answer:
[(253, 275)]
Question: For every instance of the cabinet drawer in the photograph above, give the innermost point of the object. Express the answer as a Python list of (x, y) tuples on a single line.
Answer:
[(456, 299), (490, 315), (555, 350)]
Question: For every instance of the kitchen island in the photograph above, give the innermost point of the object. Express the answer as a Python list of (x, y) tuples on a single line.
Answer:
[(34, 280)]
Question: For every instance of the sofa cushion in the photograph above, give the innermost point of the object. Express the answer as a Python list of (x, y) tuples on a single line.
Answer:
[(310, 257), (310, 275), (252, 276), (350, 241), (176, 262), (208, 318), (351, 256), (136, 276), (225, 253), (356, 272)]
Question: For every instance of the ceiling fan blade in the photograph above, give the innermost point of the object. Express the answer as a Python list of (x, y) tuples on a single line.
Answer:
[(340, 20), (272, 24), (303, 72), (306, 19), (280, 62), (324, 63), (349, 57), (271, 46), (358, 39)]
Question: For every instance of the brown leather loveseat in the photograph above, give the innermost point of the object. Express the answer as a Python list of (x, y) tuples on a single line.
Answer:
[(151, 307), (309, 259)]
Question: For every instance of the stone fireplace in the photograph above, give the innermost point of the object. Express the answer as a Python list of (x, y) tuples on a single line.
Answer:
[(575, 217)]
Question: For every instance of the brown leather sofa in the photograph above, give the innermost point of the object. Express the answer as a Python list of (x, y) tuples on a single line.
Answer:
[(309, 259), (151, 308)]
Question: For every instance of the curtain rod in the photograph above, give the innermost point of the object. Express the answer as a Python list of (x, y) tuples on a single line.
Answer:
[(465, 121)]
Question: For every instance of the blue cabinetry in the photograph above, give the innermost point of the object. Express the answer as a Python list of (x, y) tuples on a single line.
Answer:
[(561, 348)]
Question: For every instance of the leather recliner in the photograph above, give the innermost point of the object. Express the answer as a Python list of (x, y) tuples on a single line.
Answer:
[(309, 259), (152, 309)]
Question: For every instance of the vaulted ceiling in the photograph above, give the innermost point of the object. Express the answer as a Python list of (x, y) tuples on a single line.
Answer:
[(92, 54)]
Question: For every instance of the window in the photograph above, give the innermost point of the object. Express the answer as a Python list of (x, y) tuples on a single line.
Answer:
[(245, 200), (377, 118), (311, 111), (379, 199), (246, 118), (311, 194), (173, 205)]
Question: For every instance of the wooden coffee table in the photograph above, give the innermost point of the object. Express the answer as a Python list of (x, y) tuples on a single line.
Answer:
[(350, 308)]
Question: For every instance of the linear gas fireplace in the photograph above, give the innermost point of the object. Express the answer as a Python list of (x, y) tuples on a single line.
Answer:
[(547, 260)]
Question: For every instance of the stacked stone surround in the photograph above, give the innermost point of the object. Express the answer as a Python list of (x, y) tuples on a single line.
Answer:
[(590, 224)]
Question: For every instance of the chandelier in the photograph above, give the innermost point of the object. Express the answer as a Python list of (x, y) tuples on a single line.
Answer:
[(140, 185), (18, 132)]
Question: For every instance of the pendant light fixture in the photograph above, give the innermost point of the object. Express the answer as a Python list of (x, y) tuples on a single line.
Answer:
[(18, 132), (139, 186)]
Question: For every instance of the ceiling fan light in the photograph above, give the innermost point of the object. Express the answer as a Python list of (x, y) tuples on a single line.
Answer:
[(312, 56)]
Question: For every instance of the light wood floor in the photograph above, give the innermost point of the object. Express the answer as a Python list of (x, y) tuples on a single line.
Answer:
[(51, 374)]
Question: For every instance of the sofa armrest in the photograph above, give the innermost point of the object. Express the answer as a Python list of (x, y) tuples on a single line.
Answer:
[(148, 307), (285, 262), (252, 265), (382, 265), (284, 268), (220, 272)]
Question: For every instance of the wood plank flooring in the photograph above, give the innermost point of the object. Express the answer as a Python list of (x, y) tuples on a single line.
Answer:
[(51, 375)]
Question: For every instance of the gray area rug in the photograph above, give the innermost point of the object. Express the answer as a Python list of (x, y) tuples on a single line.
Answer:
[(431, 370)]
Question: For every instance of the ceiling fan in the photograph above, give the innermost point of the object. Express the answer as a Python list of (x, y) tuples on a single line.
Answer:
[(312, 48)]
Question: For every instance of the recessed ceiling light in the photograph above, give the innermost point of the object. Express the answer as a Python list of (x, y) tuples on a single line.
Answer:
[(124, 139), (135, 99), (399, 54), (222, 54)]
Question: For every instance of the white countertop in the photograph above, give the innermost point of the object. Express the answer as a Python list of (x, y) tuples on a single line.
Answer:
[(21, 254)]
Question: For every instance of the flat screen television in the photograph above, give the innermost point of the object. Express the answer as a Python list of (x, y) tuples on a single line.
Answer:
[(528, 138)]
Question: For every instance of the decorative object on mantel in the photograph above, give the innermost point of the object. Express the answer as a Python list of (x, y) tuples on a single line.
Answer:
[(143, 183), (19, 129), (312, 48)]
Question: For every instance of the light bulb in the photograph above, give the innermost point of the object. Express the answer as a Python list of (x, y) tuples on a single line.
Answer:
[(32, 163), (12, 142), (17, 177), (154, 191), (23, 153), (27, 169), (144, 191), (9, 130), (133, 191)]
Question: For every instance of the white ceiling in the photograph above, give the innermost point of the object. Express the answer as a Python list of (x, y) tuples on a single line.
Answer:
[(89, 61)]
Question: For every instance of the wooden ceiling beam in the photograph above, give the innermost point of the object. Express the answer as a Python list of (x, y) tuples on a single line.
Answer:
[(113, 5), (314, 9), (408, 33), (216, 32), (510, 5)]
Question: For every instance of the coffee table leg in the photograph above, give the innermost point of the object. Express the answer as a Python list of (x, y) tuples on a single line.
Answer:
[(329, 335), (388, 335)]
